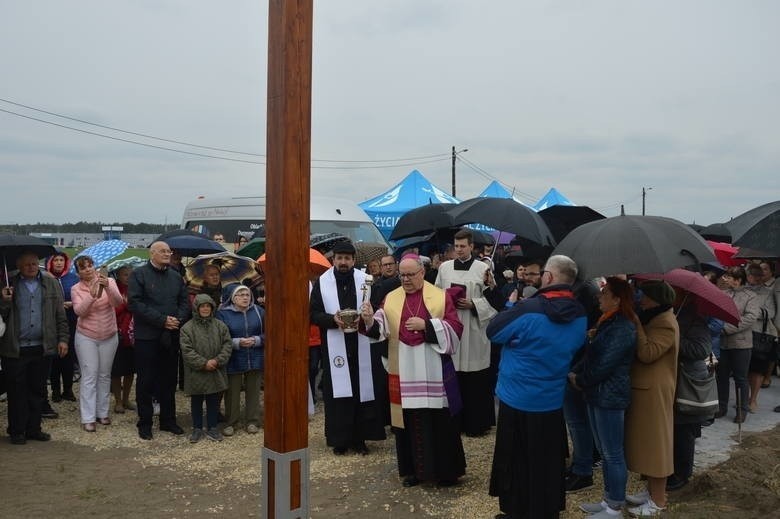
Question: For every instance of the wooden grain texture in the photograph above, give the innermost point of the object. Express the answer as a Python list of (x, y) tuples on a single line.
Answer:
[(287, 228)]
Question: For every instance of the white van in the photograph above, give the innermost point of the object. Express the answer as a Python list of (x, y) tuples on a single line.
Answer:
[(238, 217)]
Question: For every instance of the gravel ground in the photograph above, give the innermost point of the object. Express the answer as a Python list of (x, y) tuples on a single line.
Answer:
[(113, 471)]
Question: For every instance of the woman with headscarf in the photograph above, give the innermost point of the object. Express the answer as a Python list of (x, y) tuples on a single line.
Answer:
[(650, 417), (246, 322), (94, 298), (603, 375), (62, 368)]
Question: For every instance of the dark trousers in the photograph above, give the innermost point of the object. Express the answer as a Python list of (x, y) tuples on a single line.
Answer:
[(26, 383), (157, 369), (62, 369), (685, 435), (315, 356), (733, 363), (212, 410)]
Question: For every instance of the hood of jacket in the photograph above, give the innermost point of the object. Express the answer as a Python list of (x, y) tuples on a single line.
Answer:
[(201, 299), (65, 270)]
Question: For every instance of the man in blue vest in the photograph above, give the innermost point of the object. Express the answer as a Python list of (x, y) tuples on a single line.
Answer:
[(32, 307)]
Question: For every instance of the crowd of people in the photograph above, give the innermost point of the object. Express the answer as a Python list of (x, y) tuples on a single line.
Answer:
[(458, 343)]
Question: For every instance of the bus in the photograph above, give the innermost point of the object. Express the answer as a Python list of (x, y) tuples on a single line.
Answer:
[(239, 218)]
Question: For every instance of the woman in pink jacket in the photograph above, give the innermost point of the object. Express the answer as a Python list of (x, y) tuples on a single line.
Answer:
[(94, 298)]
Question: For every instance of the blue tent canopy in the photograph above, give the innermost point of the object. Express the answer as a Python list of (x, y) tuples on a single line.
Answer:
[(553, 197), (413, 191), (496, 190)]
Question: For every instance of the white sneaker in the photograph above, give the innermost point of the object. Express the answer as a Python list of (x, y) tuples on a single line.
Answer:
[(639, 498), (648, 509), (228, 431), (593, 508), (607, 513)]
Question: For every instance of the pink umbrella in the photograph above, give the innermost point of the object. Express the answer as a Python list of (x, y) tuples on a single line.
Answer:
[(710, 301), (725, 252)]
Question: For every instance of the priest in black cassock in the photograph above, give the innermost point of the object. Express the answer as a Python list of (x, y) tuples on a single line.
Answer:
[(354, 382)]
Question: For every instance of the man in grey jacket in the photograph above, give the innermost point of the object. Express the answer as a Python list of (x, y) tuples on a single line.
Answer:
[(36, 326)]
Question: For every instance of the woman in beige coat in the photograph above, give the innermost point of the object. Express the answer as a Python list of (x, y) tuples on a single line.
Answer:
[(650, 417)]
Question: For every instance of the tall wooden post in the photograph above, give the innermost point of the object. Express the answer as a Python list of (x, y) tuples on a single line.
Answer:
[(285, 456)]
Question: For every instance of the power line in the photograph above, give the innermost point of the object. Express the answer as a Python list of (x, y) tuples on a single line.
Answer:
[(491, 177), (445, 156), (184, 143)]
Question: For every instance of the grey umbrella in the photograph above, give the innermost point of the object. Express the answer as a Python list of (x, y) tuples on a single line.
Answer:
[(758, 228), (632, 245)]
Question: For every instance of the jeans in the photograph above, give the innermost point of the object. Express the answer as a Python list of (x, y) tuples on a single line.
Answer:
[(95, 361), (608, 425), (575, 412), (733, 363), (212, 410)]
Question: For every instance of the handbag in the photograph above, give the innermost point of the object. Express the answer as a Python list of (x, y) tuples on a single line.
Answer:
[(697, 397), (764, 344)]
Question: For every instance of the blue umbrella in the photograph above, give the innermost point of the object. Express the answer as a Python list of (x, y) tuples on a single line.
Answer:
[(132, 261), (103, 251)]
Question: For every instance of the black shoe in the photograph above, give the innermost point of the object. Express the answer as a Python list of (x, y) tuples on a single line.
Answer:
[(49, 413), (476, 434), (707, 423), (172, 428), (18, 439), (56, 397), (777, 409), (674, 483), (145, 434), (575, 483), (446, 483), (39, 436), (360, 448), (410, 481), (340, 451), (69, 396), (740, 418), (721, 413)]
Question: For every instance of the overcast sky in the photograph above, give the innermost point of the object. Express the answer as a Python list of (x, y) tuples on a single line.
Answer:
[(597, 99)]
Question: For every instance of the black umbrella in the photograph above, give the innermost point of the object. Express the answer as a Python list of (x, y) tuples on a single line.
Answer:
[(423, 220), (503, 214), (758, 228), (324, 242), (716, 232), (13, 245), (189, 243), (562, 219), (632, 245)]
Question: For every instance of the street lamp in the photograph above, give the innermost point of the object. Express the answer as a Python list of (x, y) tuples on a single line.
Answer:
[(454, 156), (644, 195)]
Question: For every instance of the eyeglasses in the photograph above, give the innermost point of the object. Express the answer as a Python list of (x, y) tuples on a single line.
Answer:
[(409, 274)]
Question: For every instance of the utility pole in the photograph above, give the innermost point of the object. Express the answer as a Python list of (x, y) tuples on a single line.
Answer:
[(455, 156), (644, 196), (453, 171)]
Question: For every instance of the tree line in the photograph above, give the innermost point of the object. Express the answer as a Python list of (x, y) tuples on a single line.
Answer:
[(83, 227)]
